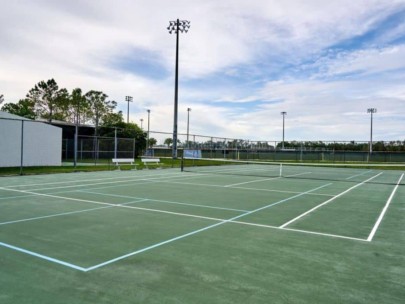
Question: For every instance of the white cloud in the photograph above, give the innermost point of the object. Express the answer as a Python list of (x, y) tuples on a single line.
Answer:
[(76, 42), (368, 61)]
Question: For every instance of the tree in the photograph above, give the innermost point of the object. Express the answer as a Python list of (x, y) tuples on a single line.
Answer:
[(168, 141), (114, 119), (50, 101), (152, 142), (99, 107), (24, 108), (78, 109), (125, 130)]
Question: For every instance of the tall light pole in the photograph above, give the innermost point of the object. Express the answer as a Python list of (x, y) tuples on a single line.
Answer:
[(176, 27), (128, 99), (141, 123), (371, 111), (147, 142), (188, 125), (284, 114)]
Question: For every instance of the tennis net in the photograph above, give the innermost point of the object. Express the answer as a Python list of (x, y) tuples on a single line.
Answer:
[(372, 173)]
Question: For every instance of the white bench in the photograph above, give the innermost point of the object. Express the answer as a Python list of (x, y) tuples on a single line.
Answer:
[(146, 161), (118, 161)]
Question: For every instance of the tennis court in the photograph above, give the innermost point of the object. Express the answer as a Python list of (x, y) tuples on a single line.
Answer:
[(245, 233)]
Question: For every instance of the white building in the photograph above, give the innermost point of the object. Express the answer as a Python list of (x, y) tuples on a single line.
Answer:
[(27, 142)]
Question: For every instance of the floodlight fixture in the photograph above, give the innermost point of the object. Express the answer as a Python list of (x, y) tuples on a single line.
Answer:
[(128, 99), (371, 111), (177, 26)]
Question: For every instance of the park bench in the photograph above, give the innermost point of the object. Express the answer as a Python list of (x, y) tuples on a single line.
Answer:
[(147, 160), (118, 161)]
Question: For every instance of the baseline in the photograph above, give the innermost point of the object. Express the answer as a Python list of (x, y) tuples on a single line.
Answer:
[(41, 256)]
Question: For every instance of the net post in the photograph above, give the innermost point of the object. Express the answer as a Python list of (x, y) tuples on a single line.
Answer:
[(281, 170), (182, 162)]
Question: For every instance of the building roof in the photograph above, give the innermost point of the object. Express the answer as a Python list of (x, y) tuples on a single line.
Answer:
[(63, 123), (6, 115)]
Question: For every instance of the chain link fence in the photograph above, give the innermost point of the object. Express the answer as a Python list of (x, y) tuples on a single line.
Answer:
[(27, 143), (97, 149), (316, 151)]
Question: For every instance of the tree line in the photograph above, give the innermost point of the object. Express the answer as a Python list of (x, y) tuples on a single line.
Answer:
[(46, 100)]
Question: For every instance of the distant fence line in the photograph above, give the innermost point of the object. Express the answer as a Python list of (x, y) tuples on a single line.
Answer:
[(17, 134), (213, 142), (328, 151)]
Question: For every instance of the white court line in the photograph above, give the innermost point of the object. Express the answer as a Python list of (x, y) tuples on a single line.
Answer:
[(377, 224), (90, 180), (298, 174), (254, 181), (163, 201), (66, 213), (233, 170), (121, 183), (199, 230), (328, 201), (115, 205), (353, 176), (52, 215), (162, 178), (41, 256), (222, 221), (17, 196), (302, 231), (242, 188), (325, 234), (266, 179)]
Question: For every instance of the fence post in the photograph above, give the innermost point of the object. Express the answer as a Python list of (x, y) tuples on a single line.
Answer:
[(115, 143), (75, 146), (22, 147), (133, 151)]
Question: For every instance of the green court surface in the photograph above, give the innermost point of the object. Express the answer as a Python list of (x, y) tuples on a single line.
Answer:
[(166, 236)]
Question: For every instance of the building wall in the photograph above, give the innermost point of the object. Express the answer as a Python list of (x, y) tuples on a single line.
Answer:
[(42, 143), (10, 145)]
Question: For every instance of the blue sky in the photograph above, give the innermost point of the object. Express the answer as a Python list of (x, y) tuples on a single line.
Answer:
[(241, 63)]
